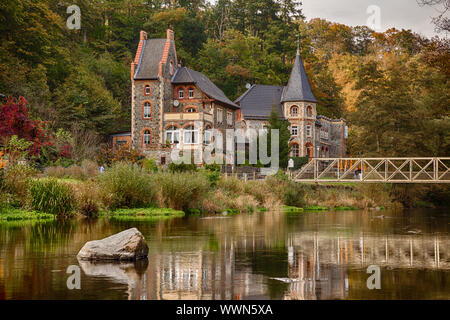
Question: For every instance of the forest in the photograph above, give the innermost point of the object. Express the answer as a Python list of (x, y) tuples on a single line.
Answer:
[(391, 87)]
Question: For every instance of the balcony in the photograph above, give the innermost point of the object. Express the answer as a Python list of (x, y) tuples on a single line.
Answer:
[(182, 116)]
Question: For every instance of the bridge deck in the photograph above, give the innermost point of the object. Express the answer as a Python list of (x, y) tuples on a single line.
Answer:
[(375, 170)]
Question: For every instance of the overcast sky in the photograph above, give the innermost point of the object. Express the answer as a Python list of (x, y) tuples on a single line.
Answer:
[(406, 14)]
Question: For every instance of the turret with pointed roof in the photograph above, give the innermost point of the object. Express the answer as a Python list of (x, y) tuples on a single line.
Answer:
[(298, 87)]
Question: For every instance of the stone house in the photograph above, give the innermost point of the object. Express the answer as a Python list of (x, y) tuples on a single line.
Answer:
[(177, 107)]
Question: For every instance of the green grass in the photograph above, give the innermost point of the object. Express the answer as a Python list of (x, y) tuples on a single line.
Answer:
[(13, 214), (290, 209), (317, 208), (143, 214), (342, 208)]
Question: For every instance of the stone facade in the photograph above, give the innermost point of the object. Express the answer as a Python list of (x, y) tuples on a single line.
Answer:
[(174, 107)]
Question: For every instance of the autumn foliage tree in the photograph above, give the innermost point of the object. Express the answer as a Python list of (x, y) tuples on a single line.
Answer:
[(14, 121)]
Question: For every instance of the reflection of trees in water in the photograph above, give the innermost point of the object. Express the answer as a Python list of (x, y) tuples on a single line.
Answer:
[(311, 256)]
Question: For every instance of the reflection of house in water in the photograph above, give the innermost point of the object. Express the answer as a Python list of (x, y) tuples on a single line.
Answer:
[(317, 266)]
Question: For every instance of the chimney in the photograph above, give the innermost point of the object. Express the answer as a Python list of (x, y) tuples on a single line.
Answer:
[(143, 35), (170, 35)]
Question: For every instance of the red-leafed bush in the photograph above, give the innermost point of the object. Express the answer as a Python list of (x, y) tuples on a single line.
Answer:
[(14, 120)]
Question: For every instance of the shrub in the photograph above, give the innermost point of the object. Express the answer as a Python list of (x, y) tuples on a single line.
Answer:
[(182, 167), (182, 190), (90, 168), (75, 172), (126, 185), (88, 196), (294, 195), (16, 180), (148, 165), (52, 196), (55, 172)]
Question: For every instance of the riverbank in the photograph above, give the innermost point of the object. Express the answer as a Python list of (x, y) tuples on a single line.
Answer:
[(124, 189)]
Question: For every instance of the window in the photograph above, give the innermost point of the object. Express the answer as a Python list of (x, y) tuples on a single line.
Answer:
[(229, 117), (147, 90), (294, 111), (294, 130), (172, 135), (147, 139), (308, 131), (309, 111), (207, 136), (219, 116), (180, 93), (172, 68), (147, 110), (190, 135), (295, 150), (191, 93), (190, 110)]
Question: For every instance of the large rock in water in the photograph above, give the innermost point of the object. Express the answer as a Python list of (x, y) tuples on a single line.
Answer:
[(124, 246)]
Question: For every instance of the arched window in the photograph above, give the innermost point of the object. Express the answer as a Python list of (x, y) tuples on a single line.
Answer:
[(190, 135), (172, 135), (309, 111), (147, 110), (190, 110), (207, 136), (180, 93), (147, 138), (295, 150), (191, 93), (147, 90), (294, 111)]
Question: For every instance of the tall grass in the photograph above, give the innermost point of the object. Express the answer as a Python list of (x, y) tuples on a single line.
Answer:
[(52, 196), (125, 185), (181, 191)]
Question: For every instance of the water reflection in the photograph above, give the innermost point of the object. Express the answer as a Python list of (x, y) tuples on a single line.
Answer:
[(259, 256)]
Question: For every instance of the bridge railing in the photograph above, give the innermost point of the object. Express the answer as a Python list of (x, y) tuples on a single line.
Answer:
[(375, 170)]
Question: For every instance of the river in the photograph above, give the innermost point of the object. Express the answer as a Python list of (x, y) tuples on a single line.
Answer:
[(267, 255)]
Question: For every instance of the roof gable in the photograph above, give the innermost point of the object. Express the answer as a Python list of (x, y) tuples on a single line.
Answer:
[(151, 54), (186, 75)]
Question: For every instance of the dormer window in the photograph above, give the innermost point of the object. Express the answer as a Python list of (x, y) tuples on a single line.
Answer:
[(191, 93), (180, 93), (147, 90)]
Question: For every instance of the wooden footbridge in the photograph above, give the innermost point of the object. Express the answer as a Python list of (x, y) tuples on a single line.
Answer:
[(375, 170)]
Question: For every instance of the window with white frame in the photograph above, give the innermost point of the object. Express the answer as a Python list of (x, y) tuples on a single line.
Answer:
[(180, 93), (229, 117), (295, 150), (190, 135), (294, 130), (308, 131), (147, 110), (147, 90), (219, 115), (294, 111), (147, 139), (207, 136), (190, 110), (172, 135), (191, 93)]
